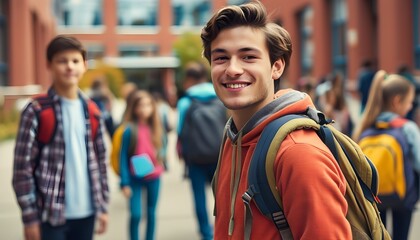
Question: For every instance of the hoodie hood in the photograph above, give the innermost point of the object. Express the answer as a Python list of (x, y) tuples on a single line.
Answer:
[(286, 101), (202, 92)]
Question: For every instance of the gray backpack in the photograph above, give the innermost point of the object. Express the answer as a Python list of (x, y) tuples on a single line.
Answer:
[(202, 131)]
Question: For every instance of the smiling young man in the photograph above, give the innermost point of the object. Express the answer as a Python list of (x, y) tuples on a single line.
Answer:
[(248, 55), (61, 185)]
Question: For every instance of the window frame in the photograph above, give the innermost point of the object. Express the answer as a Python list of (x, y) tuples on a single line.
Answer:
[(306, 35), (416, 30), (4, 67), (89, 28), (149, 27), (201, 19), (339, 38)]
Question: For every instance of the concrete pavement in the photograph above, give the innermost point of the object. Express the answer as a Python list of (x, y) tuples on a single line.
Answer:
[(175, 220)]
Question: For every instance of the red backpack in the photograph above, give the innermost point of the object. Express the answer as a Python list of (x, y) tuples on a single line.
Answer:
[(48, 122)]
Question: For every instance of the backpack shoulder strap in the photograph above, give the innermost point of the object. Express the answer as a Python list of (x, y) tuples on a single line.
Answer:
[(133, 138), (94, 115), (398, 122), (261, 179), (45, 114)]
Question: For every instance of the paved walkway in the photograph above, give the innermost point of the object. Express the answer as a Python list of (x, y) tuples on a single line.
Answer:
[(175, 210)]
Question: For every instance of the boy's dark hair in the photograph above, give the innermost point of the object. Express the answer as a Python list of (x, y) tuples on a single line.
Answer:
[(196, 71), (62, 43), (253, 15)]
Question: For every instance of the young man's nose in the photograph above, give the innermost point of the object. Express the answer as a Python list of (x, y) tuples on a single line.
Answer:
[(234, 67)]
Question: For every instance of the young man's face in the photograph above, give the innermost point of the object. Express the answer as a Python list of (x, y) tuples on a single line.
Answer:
[(67, 68), (241, 71)]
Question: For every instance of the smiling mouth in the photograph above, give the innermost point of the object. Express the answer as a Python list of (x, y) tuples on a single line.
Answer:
[(236, 85)]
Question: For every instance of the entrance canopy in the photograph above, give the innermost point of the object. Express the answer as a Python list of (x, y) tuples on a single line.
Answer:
[(138, 62)]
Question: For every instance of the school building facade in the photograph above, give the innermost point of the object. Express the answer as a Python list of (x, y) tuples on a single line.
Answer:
[(339, 35), (327, 35), (26, 26)]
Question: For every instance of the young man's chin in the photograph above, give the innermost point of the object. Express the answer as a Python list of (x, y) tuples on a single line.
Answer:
[(235, 105)]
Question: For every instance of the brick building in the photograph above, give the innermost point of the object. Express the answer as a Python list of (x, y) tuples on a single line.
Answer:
[(26, 26), (339, 35), (138, 35)]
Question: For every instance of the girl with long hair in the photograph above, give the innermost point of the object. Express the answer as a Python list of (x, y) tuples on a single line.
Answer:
[(390, 99), (142, 119)]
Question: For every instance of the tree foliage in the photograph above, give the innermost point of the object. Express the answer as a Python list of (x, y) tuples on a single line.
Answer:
[(188, 47)]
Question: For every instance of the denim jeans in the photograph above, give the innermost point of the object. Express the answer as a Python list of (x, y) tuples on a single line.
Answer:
[(80, 229), (401, 220), (199, 176), (152, 187)]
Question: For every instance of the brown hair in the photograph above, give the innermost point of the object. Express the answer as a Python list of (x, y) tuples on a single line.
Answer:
[(254, 15), (153, 121), (62, 43), (337, 90), (381, 94)]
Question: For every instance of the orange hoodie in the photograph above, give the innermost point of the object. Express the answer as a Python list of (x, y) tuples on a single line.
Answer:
[(309, 180)]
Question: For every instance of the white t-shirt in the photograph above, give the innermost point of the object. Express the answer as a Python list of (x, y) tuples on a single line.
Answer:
[(78, 197)]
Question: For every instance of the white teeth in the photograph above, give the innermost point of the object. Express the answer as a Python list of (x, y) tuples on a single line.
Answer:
[(236, 85)]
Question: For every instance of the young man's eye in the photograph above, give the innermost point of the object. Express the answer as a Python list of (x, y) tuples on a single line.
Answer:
[(250, 57), (219, 58)]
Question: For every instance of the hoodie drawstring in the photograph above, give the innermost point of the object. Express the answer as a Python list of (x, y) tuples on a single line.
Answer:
[(234, 179)]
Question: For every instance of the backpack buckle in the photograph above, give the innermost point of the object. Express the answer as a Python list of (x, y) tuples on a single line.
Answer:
[(247, 196), (318, 116)]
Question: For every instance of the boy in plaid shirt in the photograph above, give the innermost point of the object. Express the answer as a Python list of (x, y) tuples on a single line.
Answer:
[(61, 186)]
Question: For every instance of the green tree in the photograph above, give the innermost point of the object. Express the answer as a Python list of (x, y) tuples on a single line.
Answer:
[(188, 47)]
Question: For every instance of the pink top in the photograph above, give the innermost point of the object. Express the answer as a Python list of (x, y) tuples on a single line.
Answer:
[(145, 145)]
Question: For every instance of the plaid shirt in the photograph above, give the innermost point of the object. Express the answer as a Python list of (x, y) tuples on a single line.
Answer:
[(39, 185)]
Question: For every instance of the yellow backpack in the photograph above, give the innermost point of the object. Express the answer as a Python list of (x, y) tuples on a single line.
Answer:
[(387, 147), (117, 142)]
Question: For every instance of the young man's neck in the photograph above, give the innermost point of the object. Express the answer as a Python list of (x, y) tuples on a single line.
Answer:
[(68, 92), (240, 119)]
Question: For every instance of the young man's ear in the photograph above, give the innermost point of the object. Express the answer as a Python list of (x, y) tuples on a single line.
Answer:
[(277, 69)]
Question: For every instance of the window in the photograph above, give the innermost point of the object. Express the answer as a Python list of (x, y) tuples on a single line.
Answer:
[(191, 13), (3, 44), (416, 24), (138, 50), (94, 52), (339, 40), (137, 13), (78, 13), (307, 45)]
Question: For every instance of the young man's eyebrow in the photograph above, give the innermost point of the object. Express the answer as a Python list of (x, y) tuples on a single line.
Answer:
[(245, 49), (249, 49), (218, 50)]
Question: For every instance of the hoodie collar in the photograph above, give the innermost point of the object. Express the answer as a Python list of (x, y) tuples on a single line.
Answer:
[(286, 101)]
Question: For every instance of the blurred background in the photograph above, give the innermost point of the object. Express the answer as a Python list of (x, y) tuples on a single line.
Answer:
[(148, 42)]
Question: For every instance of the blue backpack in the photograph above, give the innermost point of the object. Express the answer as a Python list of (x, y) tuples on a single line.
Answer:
[(362, 200)]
